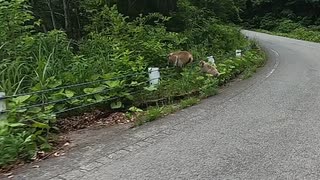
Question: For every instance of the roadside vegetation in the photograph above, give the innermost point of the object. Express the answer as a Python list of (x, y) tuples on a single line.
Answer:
[(191, 87), (299, 19), (288, 28), (55, 60)]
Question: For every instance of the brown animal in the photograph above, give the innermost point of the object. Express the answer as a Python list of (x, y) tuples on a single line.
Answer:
[(180, 58), (208, 68)]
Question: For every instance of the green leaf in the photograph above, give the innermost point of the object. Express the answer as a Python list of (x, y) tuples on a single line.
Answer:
[(21, 110), (3, 131), (49, 107), (55, 128), (90, 100), (98, 97), (94, 90), (58, 95), (34, 110), (135, 109), (95, 77), (37, 133), (45, 147), (150, 88), (40, 125), (108, 76), (36, 87), (69, 93), (16, 124), (200, 78), (75, 101), (21, 99), (42, 139), (88, 90), (3, 123), (29, 139), (113, 84), (129, 96), (53, 120), (134, 83), (116, 105), (55, 83)]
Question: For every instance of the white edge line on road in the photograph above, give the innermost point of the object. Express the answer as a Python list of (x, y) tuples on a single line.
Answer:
[(263, 79), (277, 63)]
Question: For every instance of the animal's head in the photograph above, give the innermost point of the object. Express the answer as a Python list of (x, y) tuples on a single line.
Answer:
[(218, 74), (172, 58), (202, 63)]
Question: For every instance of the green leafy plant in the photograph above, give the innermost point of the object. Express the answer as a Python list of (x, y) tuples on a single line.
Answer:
[(189, 102)]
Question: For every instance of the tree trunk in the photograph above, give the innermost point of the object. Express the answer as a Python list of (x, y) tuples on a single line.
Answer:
[(66, 15), (44, 28), (52, 14), (78, 29)]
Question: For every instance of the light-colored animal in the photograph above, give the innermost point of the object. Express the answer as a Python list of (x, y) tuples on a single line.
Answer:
[(208, 68), (180, 58)]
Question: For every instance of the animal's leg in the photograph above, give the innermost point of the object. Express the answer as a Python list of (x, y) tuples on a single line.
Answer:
[(176, 63)]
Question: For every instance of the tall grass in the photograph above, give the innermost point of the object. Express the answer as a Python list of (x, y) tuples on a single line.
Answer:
[(12, 76)]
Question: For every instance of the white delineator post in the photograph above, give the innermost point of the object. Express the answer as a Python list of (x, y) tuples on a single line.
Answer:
[(154, 76), (2, 105), (211, 59), (238, 53)]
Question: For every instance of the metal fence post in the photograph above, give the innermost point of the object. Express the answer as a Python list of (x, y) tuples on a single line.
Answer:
[(154, 76), (238, 53), (2, 105), (211, 59)]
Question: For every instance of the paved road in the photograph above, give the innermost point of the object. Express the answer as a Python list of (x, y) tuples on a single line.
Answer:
[(267, 127)]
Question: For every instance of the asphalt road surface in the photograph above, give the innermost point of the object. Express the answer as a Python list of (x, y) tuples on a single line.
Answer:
[(266, 127)]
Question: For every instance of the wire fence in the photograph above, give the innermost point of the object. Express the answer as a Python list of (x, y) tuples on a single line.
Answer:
[(133, 89), (139, 86)]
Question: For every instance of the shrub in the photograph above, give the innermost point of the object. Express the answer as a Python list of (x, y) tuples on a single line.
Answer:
[(287, 26), (268, 22)]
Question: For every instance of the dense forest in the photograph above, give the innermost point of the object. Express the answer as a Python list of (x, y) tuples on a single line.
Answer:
[(74, 16), (57, 55), (267, 13), (293, 18)]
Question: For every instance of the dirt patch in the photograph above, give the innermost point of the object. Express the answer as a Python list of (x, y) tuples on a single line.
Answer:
[(95, 118)]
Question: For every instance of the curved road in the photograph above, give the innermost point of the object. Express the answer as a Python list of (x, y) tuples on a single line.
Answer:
[(267, 127)]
